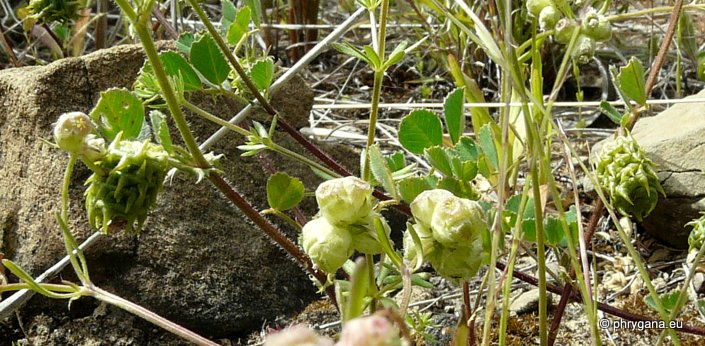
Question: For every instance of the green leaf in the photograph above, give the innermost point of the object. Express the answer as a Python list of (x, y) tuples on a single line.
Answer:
[(161, 130), (283, 191), (453, 185), (669, 301), (359, 284), (419, 130), (611, 112), (378, 167), (438, 158), (208, 60), (700, 304), (396, 55), (262, 74), (228, 12), (488, 147), (631, 81), (183, 44), (118, 110), (396, 161), (411, 187), (240, 26), (466, 149), (352, 51), (256, 8), (372, 57), (453, 110), (175, 65)]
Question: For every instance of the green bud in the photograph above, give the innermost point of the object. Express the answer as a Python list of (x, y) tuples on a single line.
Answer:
[(457, 222), (328, 246), (345, 201), (424, 205), (629, 177), (536, 6), (696, 239), (364, 239), (597, 26), (584, 49), (460, 263), (548, 18), (70, 131), (370, 331), (564, 29)]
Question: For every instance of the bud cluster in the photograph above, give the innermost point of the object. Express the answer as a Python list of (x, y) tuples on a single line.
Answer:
[(344, 225), (592, 27), (450, 230), (629, 177)]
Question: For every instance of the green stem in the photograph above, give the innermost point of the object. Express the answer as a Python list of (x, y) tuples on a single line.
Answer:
[(214, 119), (284, 217), (146, 314), (298, 157), (377, 87), (65, 187)]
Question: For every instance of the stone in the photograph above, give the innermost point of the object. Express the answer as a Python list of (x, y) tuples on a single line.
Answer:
[(198, 261), (528, 302), (675, 140)]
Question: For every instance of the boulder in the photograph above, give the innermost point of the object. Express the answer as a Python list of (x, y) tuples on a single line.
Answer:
[(675, 140), (198, 261)]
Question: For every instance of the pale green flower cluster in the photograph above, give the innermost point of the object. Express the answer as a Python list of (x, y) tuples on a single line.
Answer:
[(344, 225), (450, 231), (73, 133)]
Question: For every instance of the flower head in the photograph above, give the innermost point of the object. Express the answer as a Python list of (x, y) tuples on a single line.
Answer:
[(369, 331), (345, 201), (328, 246)]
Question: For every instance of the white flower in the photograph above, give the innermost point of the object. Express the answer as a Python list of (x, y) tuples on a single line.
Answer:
[(328, 246), (345, 201)]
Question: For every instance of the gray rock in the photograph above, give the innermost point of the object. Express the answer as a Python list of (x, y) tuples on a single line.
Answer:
[(197, 261), (528, 302), (675, 140)]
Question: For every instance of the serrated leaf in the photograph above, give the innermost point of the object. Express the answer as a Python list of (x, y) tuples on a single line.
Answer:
[(240, 26), (396, 161), (378, 167), (611, 112), (631, 81), (283, 191), (411, 187), (466, 149), (118, 110), (454, 113), (208, 60), (487, 144), (438, 158), (419, 130), (228, 13), (161, 130), (183, 44), (453, 185), (262, 74), (176, 66)]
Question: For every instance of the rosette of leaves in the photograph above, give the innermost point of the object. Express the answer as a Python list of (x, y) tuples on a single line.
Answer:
[(629, 177), (47, 11), (126, 189)]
